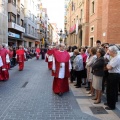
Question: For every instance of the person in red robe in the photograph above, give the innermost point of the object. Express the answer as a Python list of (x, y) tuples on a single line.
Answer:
[(20, 57), (4, 74), (37, 53), (61, 68), (49, 57)]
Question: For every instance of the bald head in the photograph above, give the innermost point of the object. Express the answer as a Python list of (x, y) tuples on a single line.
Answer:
[(62, 47)]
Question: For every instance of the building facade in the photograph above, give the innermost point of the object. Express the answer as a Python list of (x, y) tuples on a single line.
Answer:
[(15, 22), (50, 33), (56, 37), (30, 23), (89, 20), (3, 22)]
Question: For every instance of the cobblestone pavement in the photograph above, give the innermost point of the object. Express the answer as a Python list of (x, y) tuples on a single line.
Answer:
[(28, 95)]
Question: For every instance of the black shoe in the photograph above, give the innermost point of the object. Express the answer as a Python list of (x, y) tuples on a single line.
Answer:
[(105, 104), (75, 85), (60, 94), (88, 89), (83, 83), (108, 108), (78, 86)]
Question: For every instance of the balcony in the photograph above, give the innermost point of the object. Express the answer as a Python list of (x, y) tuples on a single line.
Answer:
[(12, 2), (15, 26)]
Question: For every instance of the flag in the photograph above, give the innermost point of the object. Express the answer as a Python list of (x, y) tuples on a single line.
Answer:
[(77, 27)]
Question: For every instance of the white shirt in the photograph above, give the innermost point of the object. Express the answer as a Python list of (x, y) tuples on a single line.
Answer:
[(115, 63), (7, 58), (71, 54), (62, 68)]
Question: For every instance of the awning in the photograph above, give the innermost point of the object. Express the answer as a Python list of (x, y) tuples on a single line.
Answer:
[(37, 41)]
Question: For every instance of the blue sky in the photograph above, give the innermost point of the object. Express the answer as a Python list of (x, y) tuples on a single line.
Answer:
[(55, 10)]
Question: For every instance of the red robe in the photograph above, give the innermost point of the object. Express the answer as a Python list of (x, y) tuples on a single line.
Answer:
[(37, 53), (49, 53), (61, 85), (20, 58), (4, 74)]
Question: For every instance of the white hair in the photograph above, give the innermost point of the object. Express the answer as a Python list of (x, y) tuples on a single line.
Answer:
[(114, 49)]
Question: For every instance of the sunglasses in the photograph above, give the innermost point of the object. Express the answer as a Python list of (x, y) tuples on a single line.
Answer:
[(106, 47)]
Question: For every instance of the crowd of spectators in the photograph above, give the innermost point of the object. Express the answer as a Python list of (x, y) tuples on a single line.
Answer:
[(98, 68)]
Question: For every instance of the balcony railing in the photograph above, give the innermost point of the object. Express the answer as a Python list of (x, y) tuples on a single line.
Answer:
[(12, 2)]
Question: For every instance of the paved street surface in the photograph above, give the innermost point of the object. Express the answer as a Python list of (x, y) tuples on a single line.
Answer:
[(28, 96)]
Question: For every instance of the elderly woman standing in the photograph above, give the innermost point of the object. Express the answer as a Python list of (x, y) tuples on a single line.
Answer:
[(98, 72), (89, 63), (78, 67), (113, 78)]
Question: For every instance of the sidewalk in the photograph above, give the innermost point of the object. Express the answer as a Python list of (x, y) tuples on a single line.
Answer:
[(85, 103)]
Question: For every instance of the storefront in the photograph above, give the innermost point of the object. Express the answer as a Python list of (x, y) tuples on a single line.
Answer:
[(14, 39)]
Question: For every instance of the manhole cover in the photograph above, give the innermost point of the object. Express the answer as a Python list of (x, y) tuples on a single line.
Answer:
[(24, 85), (98, 110)]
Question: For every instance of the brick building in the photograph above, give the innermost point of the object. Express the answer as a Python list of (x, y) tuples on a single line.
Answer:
[(90, 20)]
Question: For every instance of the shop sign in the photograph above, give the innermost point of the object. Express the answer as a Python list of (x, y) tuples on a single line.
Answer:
[(11, 34)]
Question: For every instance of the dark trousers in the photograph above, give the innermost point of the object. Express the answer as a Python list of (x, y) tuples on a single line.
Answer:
[(72, 75), (14, 61), (112, 89), (78, 75), (119, 85), (105, 77)]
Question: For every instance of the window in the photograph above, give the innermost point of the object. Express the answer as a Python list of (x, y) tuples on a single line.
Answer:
[(29, 28), (91, 42), (32, 30), (18, 19), (92, 29), (29, 14), (22, 23), (11, 17), (93, 7), (22, 8)]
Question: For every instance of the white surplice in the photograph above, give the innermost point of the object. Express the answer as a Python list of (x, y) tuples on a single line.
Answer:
[(7, 58), (1, 62), (62, 68)]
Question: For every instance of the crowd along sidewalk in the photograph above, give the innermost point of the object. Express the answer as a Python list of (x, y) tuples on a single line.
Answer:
[(87, 105)]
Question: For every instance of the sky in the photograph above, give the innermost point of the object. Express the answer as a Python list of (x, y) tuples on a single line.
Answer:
[(55, 9)]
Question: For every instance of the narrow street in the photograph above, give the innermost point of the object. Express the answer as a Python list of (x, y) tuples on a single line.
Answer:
[(28, 96)]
